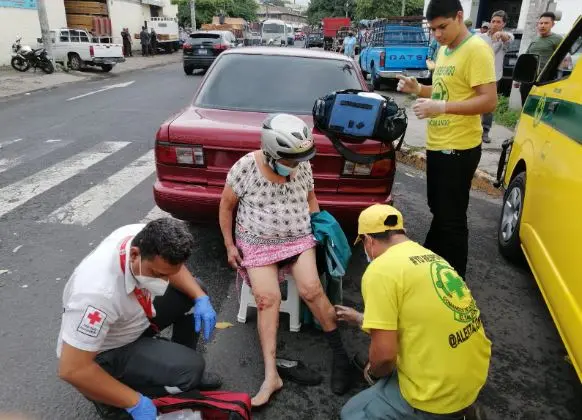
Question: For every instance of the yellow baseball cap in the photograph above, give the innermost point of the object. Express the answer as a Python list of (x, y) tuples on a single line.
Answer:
[(375, 220)]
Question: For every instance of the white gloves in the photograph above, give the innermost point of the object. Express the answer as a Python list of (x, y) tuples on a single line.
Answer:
[(427, 108), (408, 85)]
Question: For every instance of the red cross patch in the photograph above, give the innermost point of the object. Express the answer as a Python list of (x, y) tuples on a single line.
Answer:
[(92, 321)]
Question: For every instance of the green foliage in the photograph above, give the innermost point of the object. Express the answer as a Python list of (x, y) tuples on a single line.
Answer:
[(319, 9), (206, 9), (371, 9), (504, 115)]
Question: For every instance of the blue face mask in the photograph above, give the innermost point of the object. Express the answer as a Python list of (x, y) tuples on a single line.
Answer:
[(282, 169)]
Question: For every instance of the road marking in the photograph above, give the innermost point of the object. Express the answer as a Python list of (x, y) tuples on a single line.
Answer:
[(155, 213), (53, 140), (118, 85), (20, 192), (9, 163), (89, 205), (8, 142)]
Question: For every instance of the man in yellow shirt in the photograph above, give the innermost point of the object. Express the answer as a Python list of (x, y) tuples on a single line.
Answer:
[(429, 355), (464, 88)]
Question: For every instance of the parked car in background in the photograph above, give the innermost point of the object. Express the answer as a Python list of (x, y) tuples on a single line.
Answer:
[(202, 48), (314, 39), (509, 61), (196, 148), (540, 218), (398, 46)]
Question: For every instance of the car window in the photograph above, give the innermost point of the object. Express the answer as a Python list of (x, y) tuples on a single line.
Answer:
[(262, 83), (200, 39), (563, 61)]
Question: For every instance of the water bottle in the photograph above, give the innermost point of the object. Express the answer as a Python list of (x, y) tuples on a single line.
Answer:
[(182, 415)]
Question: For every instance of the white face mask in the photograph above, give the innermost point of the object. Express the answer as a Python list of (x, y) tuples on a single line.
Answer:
[(155, 285), (367, 256)]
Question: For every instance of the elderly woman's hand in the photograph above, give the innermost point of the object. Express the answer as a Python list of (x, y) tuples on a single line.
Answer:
[(349, 315), (234, 258)]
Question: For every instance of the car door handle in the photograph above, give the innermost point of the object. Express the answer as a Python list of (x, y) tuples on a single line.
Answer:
[(553, 106)]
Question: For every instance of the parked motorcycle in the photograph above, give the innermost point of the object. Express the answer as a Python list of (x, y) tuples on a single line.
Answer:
[(24, 57)]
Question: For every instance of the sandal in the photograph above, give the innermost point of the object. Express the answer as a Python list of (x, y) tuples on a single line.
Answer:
[(296, 371)]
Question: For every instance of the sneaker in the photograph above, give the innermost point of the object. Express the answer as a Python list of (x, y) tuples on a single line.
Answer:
[(296, 371), (486, 139)]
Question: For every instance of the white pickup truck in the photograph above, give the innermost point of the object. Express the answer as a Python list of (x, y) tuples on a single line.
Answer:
[(79, 49)]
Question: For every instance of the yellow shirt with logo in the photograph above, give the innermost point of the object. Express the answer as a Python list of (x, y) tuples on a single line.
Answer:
[(456, 74), (443, 352)]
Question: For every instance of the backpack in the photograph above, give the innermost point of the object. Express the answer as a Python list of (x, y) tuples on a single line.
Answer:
[(358, 116), (213, 405)]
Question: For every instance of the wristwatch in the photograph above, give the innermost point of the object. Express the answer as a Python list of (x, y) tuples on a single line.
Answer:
[(371, 379)]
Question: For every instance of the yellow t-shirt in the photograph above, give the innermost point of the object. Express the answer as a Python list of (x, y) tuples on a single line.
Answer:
[(443, 352), (456, 73)]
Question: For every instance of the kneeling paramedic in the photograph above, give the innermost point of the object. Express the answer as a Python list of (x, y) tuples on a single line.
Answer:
[(429, 355), (133, 285)]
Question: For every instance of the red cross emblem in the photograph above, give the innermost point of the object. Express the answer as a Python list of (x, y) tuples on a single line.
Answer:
[(94, 317)]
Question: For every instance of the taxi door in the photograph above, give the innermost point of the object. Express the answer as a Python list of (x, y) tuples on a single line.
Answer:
[(553, 235)]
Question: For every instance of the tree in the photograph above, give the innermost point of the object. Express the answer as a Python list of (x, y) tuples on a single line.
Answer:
[(371, 9), (319, 9), (207, 9)]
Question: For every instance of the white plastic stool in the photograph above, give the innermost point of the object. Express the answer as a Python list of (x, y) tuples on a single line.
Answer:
[(291, 306)]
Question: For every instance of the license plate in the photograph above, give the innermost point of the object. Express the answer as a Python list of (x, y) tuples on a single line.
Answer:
[(202, 52)]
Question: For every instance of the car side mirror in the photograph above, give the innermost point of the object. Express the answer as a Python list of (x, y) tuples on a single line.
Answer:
[(526, 68)]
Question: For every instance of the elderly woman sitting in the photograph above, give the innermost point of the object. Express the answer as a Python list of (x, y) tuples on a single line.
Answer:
[(273, 188)]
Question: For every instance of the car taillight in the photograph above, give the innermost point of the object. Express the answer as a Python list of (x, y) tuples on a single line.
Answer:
[(377, 169), (91, 51), (187, 46), (180, 155), (220, 46), (382, 58)]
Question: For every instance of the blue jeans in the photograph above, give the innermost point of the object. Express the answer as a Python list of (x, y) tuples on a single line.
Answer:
[(383, 401)]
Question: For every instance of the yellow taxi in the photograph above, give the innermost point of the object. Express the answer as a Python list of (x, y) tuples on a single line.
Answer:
[(541, 217)]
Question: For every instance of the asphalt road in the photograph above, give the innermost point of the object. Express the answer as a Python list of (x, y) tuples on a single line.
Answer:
[(53, 211)]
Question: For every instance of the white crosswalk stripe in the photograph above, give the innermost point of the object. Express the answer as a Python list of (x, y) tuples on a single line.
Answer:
[(18, 193), (7, 163), (86, 207), (155, 213)]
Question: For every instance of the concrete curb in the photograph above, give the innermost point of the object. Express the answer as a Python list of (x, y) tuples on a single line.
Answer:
[(84, 77), (415, 157)]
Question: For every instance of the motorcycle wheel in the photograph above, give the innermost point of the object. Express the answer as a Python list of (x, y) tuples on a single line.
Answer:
[(19, 64), (48, 67)]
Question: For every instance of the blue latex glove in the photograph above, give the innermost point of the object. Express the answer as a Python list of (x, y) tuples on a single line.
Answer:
[(203, 311), (143, 410)]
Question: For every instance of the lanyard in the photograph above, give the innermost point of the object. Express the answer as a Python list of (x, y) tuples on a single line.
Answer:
[(143, 296)]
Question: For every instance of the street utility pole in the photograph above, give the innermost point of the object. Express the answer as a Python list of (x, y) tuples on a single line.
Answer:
[(193, 14), (403, 8), (45, 29)]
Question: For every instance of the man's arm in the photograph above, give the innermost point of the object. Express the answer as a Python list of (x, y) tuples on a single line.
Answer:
[(185, 282), (484, 102), (383, 352), (79, 368)]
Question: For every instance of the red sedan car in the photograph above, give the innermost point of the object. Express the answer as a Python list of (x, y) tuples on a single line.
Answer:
[(196, 148)]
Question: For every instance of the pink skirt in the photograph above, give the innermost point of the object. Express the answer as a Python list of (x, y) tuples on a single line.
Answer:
[(259, 252)]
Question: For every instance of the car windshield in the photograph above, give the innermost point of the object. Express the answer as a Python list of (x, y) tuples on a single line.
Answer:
[(263, 83), (273, 28), (199, 39)]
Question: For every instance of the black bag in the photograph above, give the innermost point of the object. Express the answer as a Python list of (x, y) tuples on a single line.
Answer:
[(358, 116)]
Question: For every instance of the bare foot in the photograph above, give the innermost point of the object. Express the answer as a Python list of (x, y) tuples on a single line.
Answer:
[(268, 388)]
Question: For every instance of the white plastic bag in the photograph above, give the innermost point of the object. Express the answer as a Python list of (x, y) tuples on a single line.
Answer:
[(181, 415)]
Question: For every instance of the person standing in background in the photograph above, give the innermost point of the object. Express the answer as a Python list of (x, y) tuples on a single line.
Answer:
[(500, 42), (543, 45), (144, 39)]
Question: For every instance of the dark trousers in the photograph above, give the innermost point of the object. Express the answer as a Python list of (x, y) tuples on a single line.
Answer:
[(524, 90), (144, 49), (127, 49), (151, 365), (448, 182)]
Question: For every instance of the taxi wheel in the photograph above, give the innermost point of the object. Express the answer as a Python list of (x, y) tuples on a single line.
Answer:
[(508, 231)]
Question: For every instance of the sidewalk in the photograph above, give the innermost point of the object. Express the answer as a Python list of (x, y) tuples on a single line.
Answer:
[(415, 141), (14, 83)]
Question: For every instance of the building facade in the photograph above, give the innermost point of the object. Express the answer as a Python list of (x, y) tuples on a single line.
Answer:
[(296, 17), (20, 18)]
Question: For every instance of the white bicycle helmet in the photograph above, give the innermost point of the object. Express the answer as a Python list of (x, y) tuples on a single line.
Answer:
[(286, 136)]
